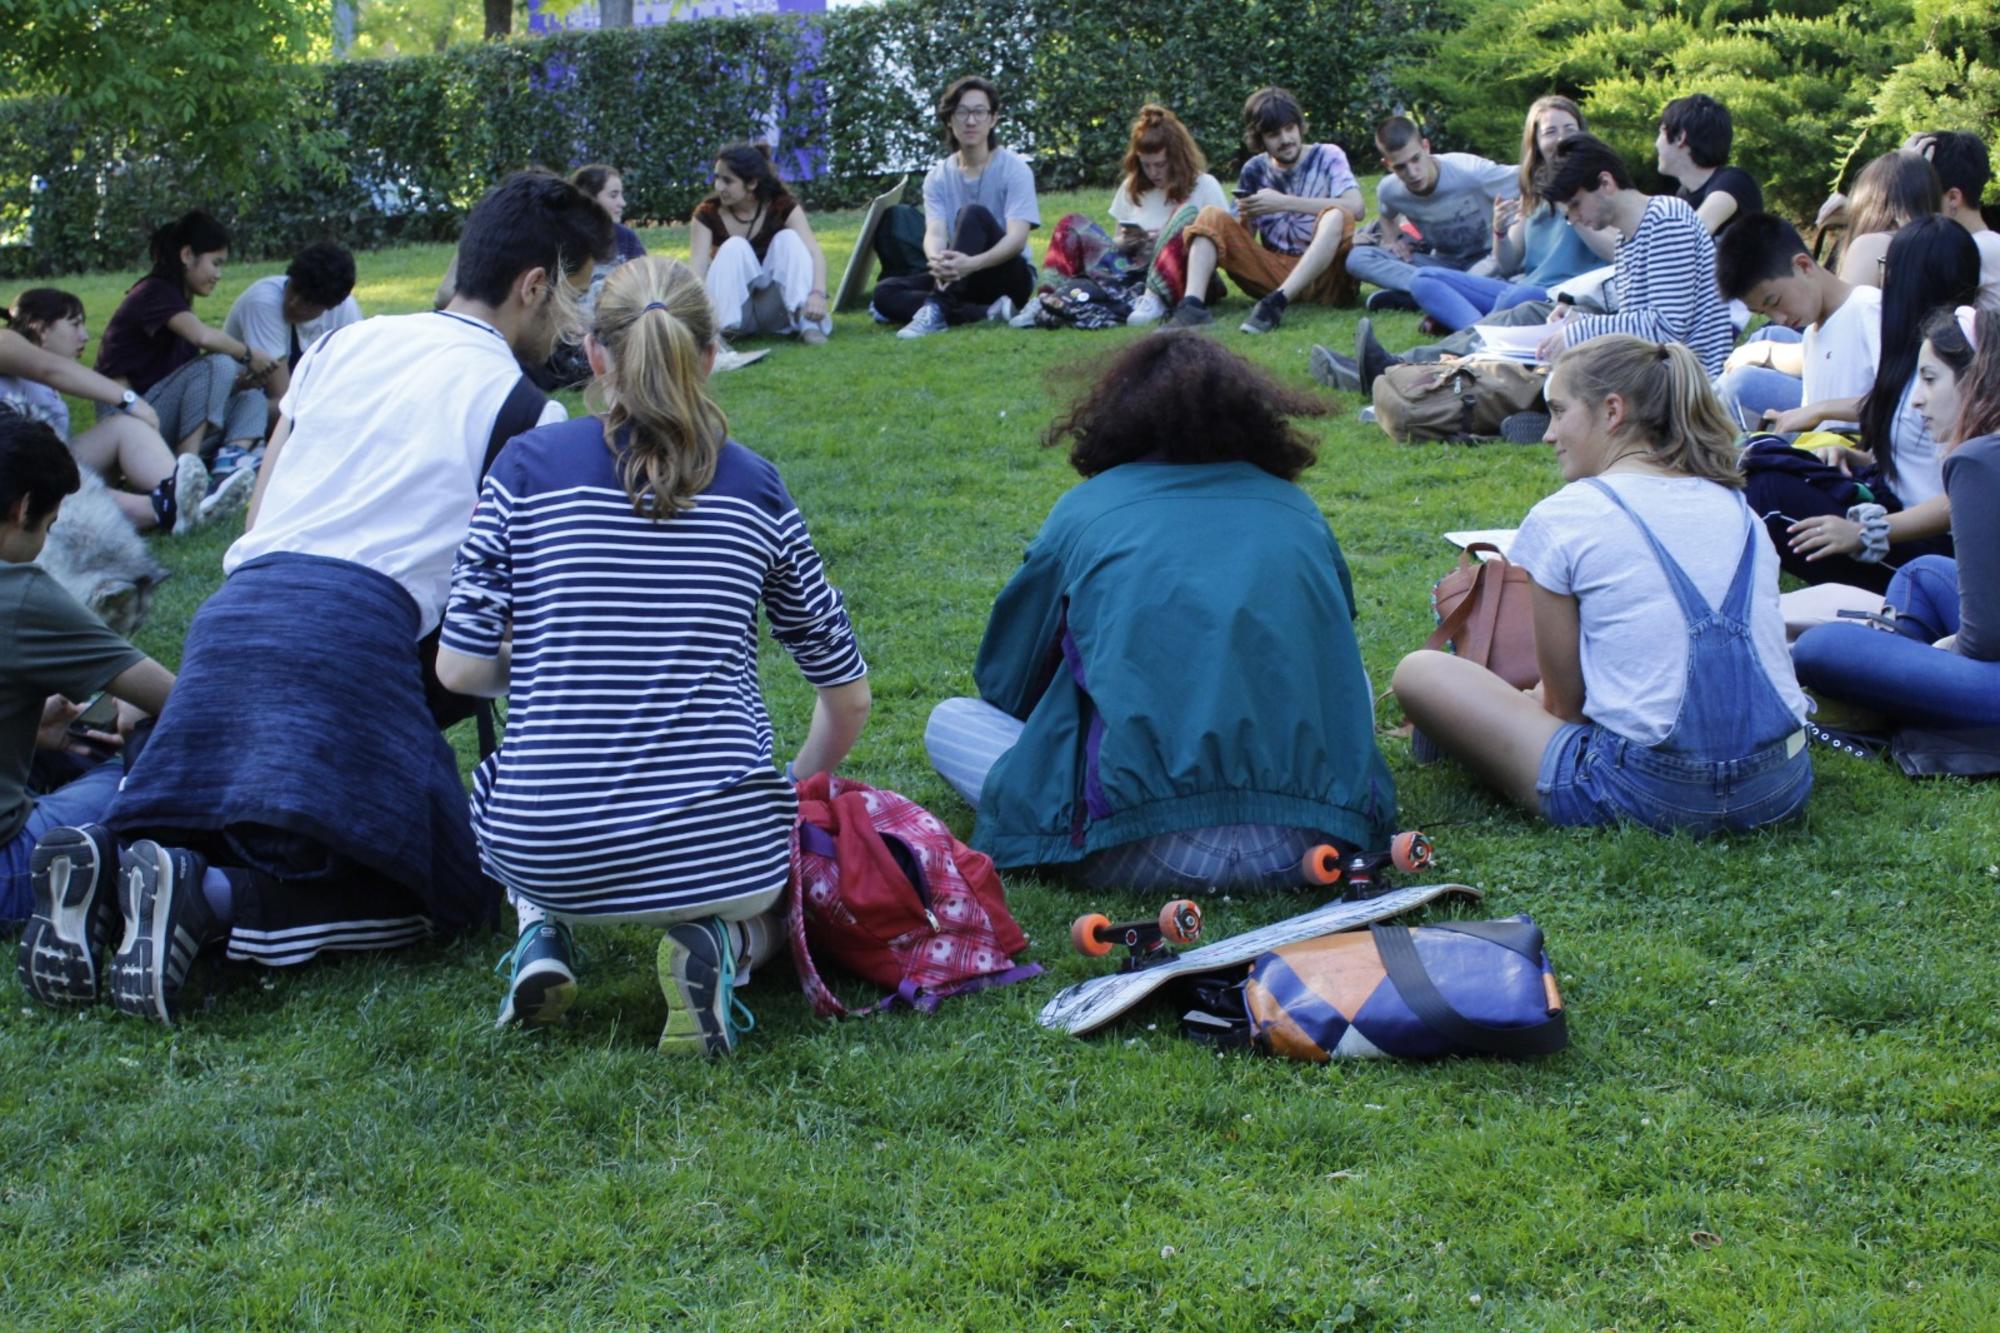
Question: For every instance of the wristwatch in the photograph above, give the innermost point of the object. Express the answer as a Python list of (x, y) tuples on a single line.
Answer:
[(125, 401)]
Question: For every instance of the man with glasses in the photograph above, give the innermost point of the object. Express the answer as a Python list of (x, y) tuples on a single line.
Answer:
[(1436, 212), (979, 206)]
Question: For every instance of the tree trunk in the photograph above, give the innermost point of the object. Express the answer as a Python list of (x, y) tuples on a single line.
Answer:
[(499, 18), (614, 14)]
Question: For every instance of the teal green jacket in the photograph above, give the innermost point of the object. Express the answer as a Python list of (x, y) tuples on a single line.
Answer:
[(1180, 642)]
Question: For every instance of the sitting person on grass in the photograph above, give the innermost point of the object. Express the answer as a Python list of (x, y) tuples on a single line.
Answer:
[(1852, 515), (979, 206), (1171, 694), (56, 655), (1784, 385), (671, 815), (1964, 167), (38, 365), (1667, 695), (1435, 210), (330, 797), (1891, 192), (1663, 270), (205, 385), (606, 185), (1940, 664), (1693, 151), (283, 314), (754, 246), (1165, 187), (1298, 203)]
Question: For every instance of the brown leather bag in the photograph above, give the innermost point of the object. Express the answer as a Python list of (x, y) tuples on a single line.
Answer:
[(1484, 613)]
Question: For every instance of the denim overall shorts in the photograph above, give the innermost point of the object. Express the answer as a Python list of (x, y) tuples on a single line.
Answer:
[(1735, 758)]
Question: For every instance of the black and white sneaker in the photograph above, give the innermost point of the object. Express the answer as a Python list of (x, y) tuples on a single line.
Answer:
[(1387, 299), (75, 873), (167, 921)]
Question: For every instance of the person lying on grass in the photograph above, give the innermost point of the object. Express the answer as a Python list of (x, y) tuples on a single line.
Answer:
[(1667, 695), (1171, 694), (39, 364), (609, 588), (1940, 665)]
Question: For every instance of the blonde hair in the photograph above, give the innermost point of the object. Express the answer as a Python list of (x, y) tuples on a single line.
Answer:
[(654, 323), (1668, 404), (1531, 148)]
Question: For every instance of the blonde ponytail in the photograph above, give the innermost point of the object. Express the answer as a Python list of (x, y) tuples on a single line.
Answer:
[(1668, 403), (654, 323)]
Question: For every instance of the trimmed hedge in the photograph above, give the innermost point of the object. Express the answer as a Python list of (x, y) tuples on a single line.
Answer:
[(847, 95)]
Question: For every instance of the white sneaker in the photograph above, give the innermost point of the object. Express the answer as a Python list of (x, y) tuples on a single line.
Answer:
[(1026, 319), (1001, 311), (1148, 309), (929, 319), (190, 488), (728, 358), (228, 499)]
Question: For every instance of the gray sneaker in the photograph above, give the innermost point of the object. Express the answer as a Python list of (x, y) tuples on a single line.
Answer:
[(1190, 315), (190, 489), (1026, 319), (228, 499), (929, 319), (1334, 370), (1001, 311), (1265, 316)]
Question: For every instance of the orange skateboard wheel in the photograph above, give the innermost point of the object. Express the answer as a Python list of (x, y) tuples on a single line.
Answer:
[(1410, 852), (1180, 920), (1083, 934), (1322, 865)]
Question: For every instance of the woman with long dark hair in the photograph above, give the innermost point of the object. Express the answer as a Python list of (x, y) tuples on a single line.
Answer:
[(1171, 694), (753, 245)]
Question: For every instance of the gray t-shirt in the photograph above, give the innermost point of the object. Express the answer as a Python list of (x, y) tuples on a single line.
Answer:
[(1456, 217), (49, 644), (1972, 480), (1004, 187)]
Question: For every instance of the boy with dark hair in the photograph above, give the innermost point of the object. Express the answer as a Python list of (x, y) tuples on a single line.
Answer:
[(1445, 198), (1301, 202), (1964, 167), (334, 796), (1693, 150), (52, 652), (281, 315), (1795, 386)]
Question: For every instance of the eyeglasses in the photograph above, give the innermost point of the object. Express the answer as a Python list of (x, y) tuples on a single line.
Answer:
[(972, 115)]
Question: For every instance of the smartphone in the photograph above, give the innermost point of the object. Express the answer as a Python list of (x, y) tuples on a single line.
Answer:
[(100, 714), (1242, 193)]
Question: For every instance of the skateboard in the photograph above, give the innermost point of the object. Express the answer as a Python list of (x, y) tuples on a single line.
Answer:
[(1366, 874), (1089, 1005), (861, 264), (1179, 922)]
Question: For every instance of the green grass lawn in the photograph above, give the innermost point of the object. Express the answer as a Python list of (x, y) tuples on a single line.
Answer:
[(1779, 1107)]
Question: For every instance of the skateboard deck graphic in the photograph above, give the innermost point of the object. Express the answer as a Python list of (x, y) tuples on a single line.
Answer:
[(1089, 1005), (861, 264)]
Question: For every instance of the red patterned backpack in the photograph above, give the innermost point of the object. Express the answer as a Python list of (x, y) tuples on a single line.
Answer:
[(882, 888)]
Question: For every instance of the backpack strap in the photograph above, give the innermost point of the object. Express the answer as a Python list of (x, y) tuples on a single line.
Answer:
[(518, 416), (1407, 973)]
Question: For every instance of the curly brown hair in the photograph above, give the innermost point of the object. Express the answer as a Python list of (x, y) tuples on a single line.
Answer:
[(1179, 397), (1158, 130)]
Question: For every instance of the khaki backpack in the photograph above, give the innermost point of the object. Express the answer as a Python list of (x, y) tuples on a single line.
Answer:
[(1462, 399)]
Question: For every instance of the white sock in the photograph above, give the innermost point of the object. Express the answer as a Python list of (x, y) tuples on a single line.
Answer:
[(755, 941), (529, 915)]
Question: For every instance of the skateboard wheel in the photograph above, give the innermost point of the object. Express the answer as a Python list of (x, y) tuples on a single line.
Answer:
[(1083, 934), (1410, 852), (1180, 921), (1322, 865)]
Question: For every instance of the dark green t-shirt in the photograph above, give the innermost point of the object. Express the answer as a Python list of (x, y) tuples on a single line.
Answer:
[(49, 644)]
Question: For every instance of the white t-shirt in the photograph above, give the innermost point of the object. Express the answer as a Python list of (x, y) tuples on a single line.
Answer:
[(389, 427), (1152, 209), (1634, 638), (1919, 461), (1842, 351), (257, 319), (1988, 242)]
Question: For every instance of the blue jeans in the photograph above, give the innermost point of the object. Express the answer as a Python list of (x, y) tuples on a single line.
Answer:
[(1750, 391), (1901, 675), (83, 801), (1593, 776), (1460, 300), (1374, 263)]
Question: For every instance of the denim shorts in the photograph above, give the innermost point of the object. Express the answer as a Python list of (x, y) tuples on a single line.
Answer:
[(1593, 776)]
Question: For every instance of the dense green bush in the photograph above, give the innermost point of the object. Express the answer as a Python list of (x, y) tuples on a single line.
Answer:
[(415, 140), (1816, 86)]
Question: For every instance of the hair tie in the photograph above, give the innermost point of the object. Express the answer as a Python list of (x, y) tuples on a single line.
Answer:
[(654, 305), (1967, 318), (1663, 353)]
